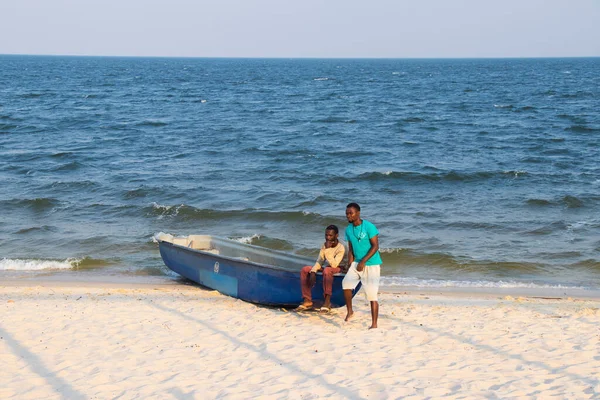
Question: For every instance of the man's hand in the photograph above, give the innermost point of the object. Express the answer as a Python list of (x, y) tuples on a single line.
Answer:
[(360, 266), (312, 279)]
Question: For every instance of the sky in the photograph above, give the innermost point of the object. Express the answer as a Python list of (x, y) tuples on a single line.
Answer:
[(302, 28)]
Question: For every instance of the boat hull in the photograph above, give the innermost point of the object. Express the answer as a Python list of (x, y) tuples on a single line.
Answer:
[(252, 282)]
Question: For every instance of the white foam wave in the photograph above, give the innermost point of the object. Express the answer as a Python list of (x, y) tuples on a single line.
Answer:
[(435, 283), (307, 213), (391, 250), (160, 206), (320, 79), (166, 210), (7, 264), (515, 173), (578, 225), (248, 239)]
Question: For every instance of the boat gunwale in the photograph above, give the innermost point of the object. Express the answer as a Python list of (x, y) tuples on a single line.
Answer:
[(253, 263)]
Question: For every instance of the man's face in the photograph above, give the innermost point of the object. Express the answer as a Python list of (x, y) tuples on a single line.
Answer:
[(330, 237), (352, 214)]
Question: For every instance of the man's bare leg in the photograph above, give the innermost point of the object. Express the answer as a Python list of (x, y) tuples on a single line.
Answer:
[(348, 299), (327, 302), (374, 314)]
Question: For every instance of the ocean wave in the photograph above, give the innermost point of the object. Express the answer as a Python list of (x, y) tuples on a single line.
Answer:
[(334, 120), (412, 120), (534, 160), (143, 191), (572, 202), (450, 176), (317, 201), (86, 263), (580, 94), (7, 264), (590, 264), (5, 128), (152, 123), (475, 225), (577, 119), (391, 281), (72, 185), (568, 200), (189, 213), (71, 166), (43, 228), (32, 95), (62, 154), (38, 204), (581, 129), (527, 108), (556, 152), (265, 241), (548, 229), (539, 202), (403, 257), (350, 153), (399, 258), (248, 239)]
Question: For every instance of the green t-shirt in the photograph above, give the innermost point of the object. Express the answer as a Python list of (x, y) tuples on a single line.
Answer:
[(359, 236)]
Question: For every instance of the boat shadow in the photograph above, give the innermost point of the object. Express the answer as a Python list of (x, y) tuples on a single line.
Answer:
[(330, 317)]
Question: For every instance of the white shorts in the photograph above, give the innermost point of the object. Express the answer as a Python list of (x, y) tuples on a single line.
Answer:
[(369, 277)]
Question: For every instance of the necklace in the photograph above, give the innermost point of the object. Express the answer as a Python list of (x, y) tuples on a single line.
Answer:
[(360, 235)]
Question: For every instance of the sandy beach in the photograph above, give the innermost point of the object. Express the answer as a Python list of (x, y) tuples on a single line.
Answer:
[(172, 341)]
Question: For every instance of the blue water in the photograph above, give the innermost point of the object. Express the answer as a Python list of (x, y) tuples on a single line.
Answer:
[(476, 172)]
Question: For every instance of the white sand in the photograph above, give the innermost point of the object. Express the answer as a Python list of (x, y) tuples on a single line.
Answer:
[(182, 342)]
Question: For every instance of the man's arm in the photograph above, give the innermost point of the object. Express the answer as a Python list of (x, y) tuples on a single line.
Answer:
[(350, 254), (374, 247), (319, 261)]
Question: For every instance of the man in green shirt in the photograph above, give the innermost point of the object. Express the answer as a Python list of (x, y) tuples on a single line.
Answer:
[(364, 259)]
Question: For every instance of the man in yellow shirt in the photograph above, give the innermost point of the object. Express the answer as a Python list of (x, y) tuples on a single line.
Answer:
[(331, 255)]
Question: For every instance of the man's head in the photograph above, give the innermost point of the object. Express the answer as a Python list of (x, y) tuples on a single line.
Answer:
[(331, 235), (353, 212)]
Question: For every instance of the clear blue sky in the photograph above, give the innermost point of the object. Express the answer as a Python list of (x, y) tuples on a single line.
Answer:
[(302, 28)]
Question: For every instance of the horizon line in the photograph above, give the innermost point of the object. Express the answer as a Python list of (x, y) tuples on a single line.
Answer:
[(298, 58)]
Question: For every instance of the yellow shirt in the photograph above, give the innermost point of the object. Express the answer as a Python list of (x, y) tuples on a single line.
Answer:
[(333, 256)]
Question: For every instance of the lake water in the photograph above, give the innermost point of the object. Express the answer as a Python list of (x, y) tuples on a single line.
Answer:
[(477, 172)]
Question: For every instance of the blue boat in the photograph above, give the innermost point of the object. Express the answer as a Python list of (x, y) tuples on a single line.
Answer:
[(250, 273)]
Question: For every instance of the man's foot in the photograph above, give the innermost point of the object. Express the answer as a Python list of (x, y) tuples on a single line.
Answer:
[(373, 327), (307, 305), (349, 316)]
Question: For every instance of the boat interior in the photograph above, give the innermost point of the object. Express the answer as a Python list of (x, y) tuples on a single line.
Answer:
[(237, 250)]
